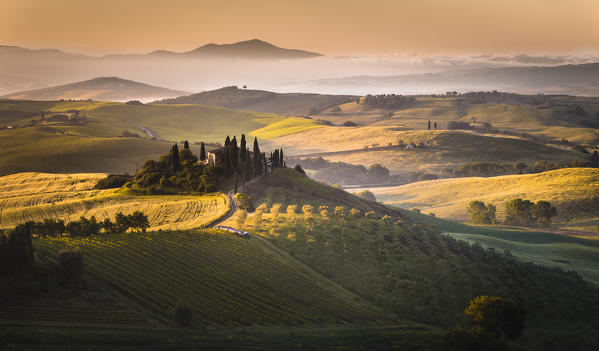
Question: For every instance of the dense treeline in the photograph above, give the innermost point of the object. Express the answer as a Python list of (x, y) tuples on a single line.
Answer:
[(491, 169), (387, 101)]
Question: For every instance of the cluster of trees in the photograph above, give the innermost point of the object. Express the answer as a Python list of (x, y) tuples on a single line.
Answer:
[(481, 213), (518, 212), (525, 212), (346, 173), (387, 101), (86, 227), (177, 171), (491, 169)]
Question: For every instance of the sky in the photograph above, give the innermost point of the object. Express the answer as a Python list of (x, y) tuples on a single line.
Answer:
[(331, 27)]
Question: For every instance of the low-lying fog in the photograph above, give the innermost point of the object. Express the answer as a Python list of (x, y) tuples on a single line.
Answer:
[(401, 74)]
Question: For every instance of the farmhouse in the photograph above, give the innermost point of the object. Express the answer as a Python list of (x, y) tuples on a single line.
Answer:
[(216, 156)]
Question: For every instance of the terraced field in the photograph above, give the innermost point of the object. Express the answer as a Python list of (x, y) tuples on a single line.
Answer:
[(35, 196), (225, 279)]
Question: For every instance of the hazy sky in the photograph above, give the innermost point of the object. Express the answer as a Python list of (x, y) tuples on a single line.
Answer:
[(333, 27)]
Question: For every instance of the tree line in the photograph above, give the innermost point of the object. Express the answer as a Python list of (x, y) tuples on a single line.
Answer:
[(387, 101), (518, 212)]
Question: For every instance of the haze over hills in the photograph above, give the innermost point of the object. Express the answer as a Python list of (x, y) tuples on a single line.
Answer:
[(262, 101), (101, 88), (581, 80)]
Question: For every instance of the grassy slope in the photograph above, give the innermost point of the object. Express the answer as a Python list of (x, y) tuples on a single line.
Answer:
[(35, 196), (288, 187), (225, 279), (574, 192), (443, 148), (513, 114), (97, 145)]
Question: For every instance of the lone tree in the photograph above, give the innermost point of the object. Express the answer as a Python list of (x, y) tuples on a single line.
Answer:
[(429, 125), (493, 314), (186, 145)]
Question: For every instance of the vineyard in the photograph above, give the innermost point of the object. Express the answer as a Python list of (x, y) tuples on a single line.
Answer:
[(36, 196), (225, 279)]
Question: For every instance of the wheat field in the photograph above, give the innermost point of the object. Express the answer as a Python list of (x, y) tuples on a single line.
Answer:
[(36, 196)]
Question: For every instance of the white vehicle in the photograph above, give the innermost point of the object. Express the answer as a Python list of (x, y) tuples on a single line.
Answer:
[(241, 233)]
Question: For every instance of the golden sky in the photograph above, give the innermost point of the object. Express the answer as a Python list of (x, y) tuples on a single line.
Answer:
[(333, 27)]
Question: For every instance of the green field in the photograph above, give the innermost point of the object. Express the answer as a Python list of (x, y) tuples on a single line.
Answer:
[(37, 196), (573, 191)]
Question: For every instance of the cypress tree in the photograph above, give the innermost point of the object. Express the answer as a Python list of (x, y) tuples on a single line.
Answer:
[(243, 146), (202, 152), (281, 160), (186, 145), (175, 159), (234, 153), (429, 125), (257, 158), (235, 181), (227, 141)]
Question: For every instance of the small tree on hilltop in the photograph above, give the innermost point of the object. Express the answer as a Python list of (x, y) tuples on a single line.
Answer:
[(186, 145)]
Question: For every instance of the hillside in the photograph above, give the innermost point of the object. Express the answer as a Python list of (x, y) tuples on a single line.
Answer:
[(288, 187), (573, 191), (103, 89), (94, 142), (414, 271), (263, 101), (37, 196), (441, 149)]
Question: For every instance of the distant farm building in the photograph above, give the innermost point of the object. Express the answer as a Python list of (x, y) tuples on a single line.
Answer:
[(216, 156)]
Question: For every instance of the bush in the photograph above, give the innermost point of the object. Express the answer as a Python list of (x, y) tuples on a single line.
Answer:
[(300, 169), (113, 181), (183, 315), (70, 267), (481, 213), (367, 195), (244, 201)]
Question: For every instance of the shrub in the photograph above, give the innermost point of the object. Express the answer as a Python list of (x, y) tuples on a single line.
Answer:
[(370, 214), (340, 212), (113, 181), (354, 212), (183, 315), (300, 169), (70, 267), (244, 201), (493, 314), (367, 195)]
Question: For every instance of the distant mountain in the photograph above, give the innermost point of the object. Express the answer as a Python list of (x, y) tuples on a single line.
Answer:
[(103, 88), (262, 101), (249, 49), (580, 79)]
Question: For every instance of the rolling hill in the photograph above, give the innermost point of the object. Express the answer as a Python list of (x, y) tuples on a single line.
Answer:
[(262, 101), (441, 149), (573, 191), (248, 49), (102, 88)]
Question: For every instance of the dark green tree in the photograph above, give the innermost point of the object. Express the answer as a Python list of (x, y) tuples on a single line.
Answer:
[(186, 145), (227, 141), (493, 314), (234, 153), (543, 211), (481, 213), (202, 152), (70, 267), (519, 212), (429, 125), (257, 158), (242, 148)]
